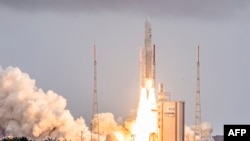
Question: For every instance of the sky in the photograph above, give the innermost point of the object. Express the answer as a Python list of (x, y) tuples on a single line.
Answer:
[(52, 41)]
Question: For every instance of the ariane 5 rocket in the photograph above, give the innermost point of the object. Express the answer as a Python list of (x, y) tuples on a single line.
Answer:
[(147, 59), (146, 120)]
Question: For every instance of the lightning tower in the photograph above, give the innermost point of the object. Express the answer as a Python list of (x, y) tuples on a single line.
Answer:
[(95, 124), (198, 128)]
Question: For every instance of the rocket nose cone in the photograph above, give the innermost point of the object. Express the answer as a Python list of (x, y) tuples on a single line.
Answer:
[(147, 22)]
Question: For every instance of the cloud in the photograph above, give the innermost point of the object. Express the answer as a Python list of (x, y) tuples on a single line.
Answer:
[(26, 110), (176, 8)]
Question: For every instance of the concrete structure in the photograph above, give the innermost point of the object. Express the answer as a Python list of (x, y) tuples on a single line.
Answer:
[(171, 118), (171, 121)]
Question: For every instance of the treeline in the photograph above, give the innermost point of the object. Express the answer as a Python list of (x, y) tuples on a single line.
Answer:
[(23, 139), (15, 139)]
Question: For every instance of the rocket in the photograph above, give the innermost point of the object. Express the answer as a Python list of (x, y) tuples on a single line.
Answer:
[(147, 59), (146, 120)]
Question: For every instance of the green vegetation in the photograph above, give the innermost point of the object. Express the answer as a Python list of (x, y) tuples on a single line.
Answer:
[(15, 139)]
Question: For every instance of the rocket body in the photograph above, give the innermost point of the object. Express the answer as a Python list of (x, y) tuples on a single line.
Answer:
[(147, 59)]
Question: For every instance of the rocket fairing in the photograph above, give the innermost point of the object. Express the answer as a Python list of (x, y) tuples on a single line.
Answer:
[(147, 59)]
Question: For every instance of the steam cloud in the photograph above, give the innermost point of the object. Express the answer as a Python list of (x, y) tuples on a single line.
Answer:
[(26, 110), (206, 132)]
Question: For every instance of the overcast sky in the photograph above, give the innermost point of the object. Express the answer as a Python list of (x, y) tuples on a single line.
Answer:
[(52, 41)]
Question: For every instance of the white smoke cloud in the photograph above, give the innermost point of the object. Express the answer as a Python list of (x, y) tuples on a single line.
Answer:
[(189, 134), (26, 110), (107, 123), (206, 132), (110, 130)]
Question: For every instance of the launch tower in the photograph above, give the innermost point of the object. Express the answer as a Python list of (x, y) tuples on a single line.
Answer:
[(198, 128), (95, 124)]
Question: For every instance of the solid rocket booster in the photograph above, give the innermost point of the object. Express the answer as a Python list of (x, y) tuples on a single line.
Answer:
[(147, 57)]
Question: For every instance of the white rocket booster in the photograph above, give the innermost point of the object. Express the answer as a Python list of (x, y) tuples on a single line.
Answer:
[(147, 59)]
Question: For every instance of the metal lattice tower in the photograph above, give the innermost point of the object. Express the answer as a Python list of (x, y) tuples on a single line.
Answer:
[(198, 128), (95, 124)]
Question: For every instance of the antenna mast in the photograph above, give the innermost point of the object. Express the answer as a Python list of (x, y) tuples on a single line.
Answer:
[(198, 128), (95, 124)]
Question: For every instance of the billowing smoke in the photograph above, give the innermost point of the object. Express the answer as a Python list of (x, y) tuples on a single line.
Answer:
[(206, 132), (26, 110), (110, 130), (107, 124)]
